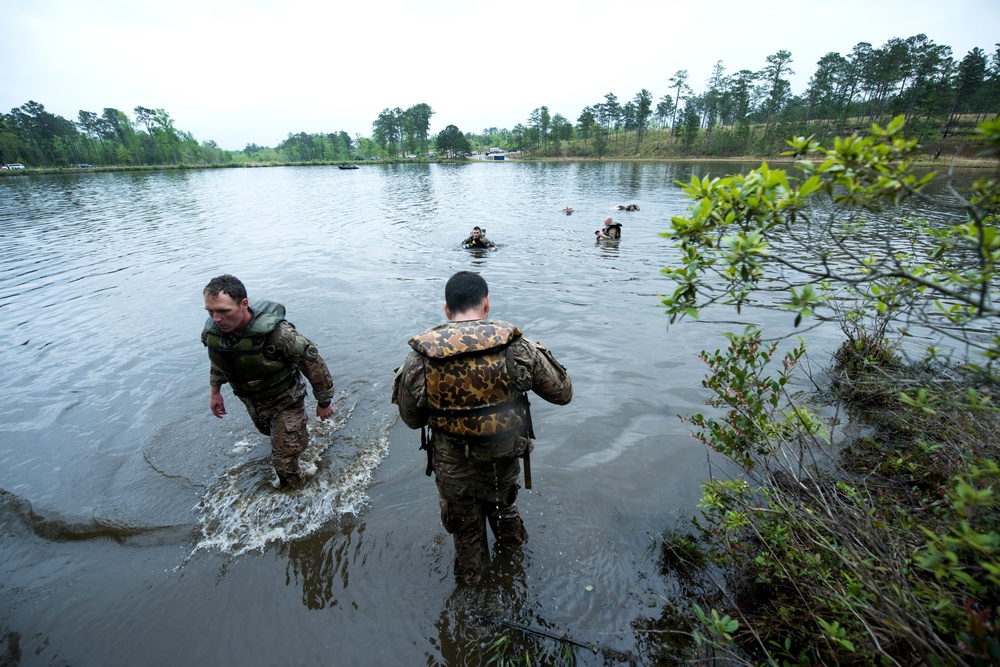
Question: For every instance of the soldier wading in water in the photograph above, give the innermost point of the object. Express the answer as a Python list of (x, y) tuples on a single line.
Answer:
[(477, 239), (263, 357), (467, 381)]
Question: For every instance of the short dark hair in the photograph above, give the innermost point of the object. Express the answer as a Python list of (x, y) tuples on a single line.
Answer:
[(476, 227), (465, 290), (231, 285)]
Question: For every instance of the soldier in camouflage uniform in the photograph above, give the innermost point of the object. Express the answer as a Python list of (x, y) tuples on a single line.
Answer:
[(478, 240), (611, 230), (263, 357), (467, 380)]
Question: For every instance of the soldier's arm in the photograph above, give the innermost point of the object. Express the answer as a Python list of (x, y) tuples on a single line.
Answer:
[(549, 379), (216, 378), (408, 392), (216, 402), (285, 342)]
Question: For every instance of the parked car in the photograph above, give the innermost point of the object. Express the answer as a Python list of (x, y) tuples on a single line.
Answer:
[(83, 165), (14, 165), (411, 156), (431, 155)]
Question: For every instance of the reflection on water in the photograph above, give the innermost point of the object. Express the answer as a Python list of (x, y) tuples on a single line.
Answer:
[(124, 498)]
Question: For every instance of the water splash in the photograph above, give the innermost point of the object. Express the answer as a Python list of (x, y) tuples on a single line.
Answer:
[(245, 511)]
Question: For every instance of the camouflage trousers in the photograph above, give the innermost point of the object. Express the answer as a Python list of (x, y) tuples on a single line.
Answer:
[(472, 496), (286, 424)]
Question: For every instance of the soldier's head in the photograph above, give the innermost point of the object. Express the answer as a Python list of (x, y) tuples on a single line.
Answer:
[(227, 304), (476, 232), (466, 294), (227, 284), (607, 221)]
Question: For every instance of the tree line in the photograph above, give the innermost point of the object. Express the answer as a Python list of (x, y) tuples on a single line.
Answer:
[(397, 132), (753, 111), (748, 112), (38, 138), (31, 135)]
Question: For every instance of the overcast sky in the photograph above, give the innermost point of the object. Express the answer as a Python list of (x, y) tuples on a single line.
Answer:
[(253, 71)]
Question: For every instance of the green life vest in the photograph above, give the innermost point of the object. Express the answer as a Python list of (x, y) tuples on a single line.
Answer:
[(471, 381), (241, 358)]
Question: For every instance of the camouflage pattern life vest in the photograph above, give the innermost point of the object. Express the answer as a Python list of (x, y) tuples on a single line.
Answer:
[(241, 359), (471, 381)]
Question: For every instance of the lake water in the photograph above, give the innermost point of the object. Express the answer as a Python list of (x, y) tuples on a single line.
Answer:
[(138, 529)]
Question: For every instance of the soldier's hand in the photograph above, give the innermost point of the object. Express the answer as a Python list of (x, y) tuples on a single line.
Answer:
[(218, 405), (323, 413)]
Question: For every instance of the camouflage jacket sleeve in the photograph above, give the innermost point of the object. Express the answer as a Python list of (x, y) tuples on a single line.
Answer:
[(549, 378), (215, 376), (408, 391), (287, 343)]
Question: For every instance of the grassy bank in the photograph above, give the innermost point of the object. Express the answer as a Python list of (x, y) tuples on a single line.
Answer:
[(856, 524), (881, 550)]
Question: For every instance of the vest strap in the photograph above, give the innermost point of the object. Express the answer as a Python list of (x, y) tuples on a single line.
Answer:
[(474, 412)]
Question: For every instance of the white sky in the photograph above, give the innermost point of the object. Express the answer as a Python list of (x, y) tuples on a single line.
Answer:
[(253, 71)]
